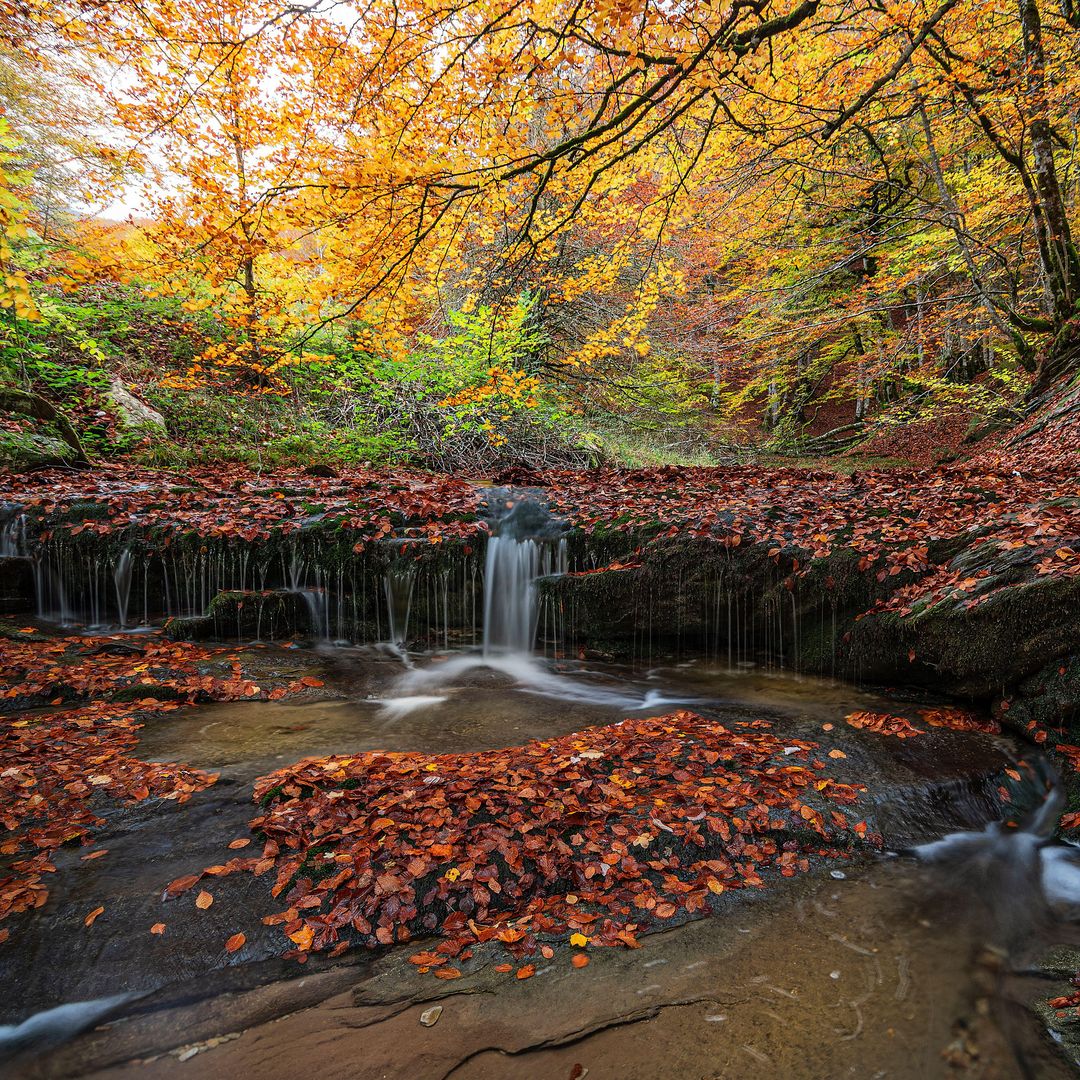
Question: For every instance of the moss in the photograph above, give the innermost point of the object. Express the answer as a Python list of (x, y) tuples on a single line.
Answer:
[(34, 449)]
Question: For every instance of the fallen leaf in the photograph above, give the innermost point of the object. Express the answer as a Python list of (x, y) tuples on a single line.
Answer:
[(89, 920)]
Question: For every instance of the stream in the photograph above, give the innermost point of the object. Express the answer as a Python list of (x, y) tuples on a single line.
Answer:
[(922, 960)]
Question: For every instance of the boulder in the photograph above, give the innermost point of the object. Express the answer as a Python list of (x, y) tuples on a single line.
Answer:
[(40, 435), (132, 412)]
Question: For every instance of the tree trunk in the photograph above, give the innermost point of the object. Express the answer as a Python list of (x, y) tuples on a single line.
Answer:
[(1057, 251)]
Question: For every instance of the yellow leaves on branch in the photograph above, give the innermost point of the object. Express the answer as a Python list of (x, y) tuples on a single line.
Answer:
[(514, 387)]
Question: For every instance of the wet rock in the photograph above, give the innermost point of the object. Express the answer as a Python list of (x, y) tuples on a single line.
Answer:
[(1050, 698), (681, 597), (245, 615), (16, 585), (1019, 622)]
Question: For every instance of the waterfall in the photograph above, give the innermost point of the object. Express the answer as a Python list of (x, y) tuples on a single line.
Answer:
[(122, 580), (519, 551), (398, 587)]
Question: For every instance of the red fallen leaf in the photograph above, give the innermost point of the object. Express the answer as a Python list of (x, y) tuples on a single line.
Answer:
[(310, 680), (89, 920), (203, 900), (502, 969), (157, 928), (579, 960), (427, 959), (95, 854), (447, 973), (547, 952), (837, 754), (180, 885), (235, 942), (526, 972), (240, 843)]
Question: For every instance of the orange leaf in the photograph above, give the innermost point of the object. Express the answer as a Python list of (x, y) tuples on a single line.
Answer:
[(203, 900), (242, 842), (447, 973), (235, 942), (526, 972), (579, 960), (89, 920), (302, 937)]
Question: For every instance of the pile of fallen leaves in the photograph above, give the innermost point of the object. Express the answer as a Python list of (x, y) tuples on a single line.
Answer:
[(595, 835), (955, 719), (59, 670), (883, 724), (60, 767)]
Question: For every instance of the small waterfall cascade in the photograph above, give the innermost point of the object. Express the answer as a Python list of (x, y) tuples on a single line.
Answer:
[(1017, 867), (398, 584), (343, 592), (525, 545), (13, 538), (122, 579)]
